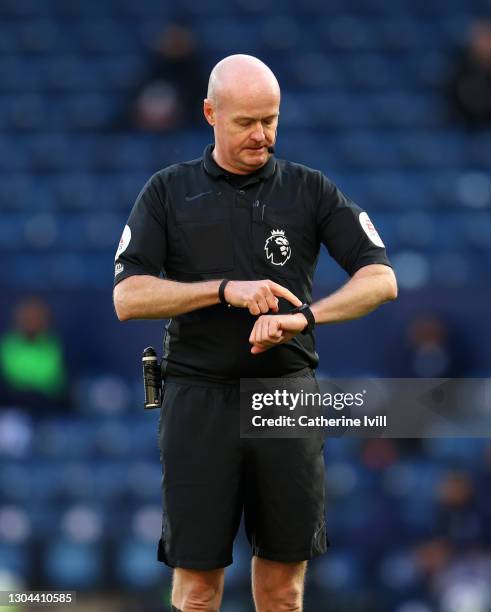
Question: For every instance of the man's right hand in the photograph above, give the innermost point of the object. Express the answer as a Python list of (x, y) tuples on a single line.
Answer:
[(259, 297)]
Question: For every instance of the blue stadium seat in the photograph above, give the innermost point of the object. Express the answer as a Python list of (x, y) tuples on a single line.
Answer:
[(415, 229), (12, 231), (458, 453), (337, 110), (398, 190), (144, 478), (104, 36), (25, 8), (443, 188), (479, 149), (340, 571), (38, 36), (429, 69), (113, 438), (13, 155), (346, 32), (68, 73), (136, 566), (449, 231), (15, 558), (69, 565), (75, 191), (372, 71), (401, 109), (8, 41), (16, 75), (456, 268), (28, 112), (477, 230), (280, 33), (412, 268), (312, 70), (120, 73), (223, 33), (433, 150), (64, 439), (402, 32), (110, 484), (92, 392), (15, 479), (89, 111), (374, 150), (121, 153)]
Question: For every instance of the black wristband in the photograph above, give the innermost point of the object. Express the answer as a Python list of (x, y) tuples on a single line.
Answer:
[(308, 314), (221, 291)]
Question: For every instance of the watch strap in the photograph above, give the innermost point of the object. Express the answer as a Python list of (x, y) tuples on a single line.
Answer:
[(221, 291), (308, 314)]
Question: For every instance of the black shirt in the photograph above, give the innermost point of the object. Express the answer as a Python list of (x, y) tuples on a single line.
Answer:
[(195, 221)]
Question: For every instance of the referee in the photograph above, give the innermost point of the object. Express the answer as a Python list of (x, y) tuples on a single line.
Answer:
[(236, 234)]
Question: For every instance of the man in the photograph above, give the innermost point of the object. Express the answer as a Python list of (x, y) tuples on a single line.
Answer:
[(237, 233)]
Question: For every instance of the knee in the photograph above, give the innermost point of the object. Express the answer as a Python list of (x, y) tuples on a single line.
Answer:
[(197, 590), (200, 597), (286, 599)]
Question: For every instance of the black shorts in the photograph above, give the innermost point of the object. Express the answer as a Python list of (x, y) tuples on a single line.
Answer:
[(211, 476)]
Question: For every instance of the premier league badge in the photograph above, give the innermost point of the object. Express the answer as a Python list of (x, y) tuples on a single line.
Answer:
[(277, 248)]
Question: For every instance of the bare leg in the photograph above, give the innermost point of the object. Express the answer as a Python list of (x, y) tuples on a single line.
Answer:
[(278, 587), (197, 589)]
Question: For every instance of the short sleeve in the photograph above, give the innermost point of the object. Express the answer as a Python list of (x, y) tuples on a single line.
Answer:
[(143, 243), (346, 230)]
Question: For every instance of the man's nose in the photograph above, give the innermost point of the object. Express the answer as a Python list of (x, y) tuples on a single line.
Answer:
[(258, 133)]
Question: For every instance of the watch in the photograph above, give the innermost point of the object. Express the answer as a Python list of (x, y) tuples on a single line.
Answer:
[(308, 314)]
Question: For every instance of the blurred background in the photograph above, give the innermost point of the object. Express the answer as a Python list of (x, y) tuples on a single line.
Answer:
[(392, 100)]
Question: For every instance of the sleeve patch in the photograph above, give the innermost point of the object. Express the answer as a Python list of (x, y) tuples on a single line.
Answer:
[(370, 230), (124, 242)]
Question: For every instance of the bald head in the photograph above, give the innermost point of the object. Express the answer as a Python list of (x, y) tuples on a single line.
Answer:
[(241, 75), (242, 106)]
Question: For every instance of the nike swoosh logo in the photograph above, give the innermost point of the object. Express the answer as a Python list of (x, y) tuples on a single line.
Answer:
[(198, 195)]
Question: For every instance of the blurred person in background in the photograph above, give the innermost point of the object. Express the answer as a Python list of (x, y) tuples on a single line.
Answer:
[(169, 96), (470, 88), (458, 517), (224, 215), (32, 365), (431, 348)]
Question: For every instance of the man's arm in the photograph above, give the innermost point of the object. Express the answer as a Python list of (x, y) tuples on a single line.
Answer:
[(367, 289), (150, 297)]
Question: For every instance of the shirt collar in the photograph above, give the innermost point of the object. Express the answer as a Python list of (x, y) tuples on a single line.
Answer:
[(216, 171)]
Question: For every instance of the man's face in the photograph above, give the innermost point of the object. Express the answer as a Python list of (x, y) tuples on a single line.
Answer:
[(244, 129)]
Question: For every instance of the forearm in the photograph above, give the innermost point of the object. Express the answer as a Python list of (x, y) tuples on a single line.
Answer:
[(148, 297), (359, 296)]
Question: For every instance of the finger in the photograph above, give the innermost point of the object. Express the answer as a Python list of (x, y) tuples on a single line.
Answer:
[(254, 308), (269, 337), (272, 301), (255, 350), (283, 292), (274, 331), (252, 337), (262, 331), (263, 304)]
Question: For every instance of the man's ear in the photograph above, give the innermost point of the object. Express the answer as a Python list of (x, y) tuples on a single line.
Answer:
[(209, 111)]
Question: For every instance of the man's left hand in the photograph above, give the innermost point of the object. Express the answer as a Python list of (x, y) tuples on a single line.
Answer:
[(271, 330)]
